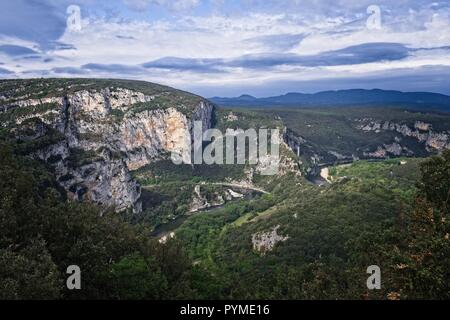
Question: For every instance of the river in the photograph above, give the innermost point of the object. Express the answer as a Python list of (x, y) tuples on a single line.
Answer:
[(166, 228)]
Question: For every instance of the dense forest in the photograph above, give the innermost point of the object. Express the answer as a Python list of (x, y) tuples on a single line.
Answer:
[(392, 218), (43, 233), (85, 180)]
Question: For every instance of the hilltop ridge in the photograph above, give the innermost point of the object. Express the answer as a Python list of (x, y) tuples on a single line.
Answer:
[(353, 97)]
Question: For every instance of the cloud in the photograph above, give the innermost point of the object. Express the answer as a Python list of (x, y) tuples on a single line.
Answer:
[(138, 5), (37, 21), (91, 69), (431, 78), (184, 4), (176, 5), (278, 41), (113, 68), (125, 37), (69, 70), (339, 8), (228, 44), (183, 64), (14, 51), (364, 53), (4, 71), (62, 46), (359, 54)]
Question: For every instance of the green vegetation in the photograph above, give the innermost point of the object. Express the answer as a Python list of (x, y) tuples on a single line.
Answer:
[(335, 233), (163, 203), (117, 114), (28, 146), (203, 231), (398, 175), (245, 119), (11, 115), (300, 118), (42, 234), (42, 88), (164, 101), (391, 213), (81, 157), (166, 171), (331, 129), (168, 188)]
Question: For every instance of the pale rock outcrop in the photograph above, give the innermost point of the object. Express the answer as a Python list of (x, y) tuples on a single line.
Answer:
[(420, 125), (434, 141), (200, 202), (110, 144), (167, 237), (145, 135), (232, 195), (231, 117), (264, 242), (30, 102), (393, 149)]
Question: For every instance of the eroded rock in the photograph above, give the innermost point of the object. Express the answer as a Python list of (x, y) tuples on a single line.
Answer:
[(101, 135), (264, 242)]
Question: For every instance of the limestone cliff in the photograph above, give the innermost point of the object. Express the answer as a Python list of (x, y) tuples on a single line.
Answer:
[(384, 139), (264, 242), (94, 137), (421, 131)]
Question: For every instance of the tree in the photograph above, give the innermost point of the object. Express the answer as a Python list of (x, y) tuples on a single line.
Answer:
[(29, 273), (135, 277), (423, 269)]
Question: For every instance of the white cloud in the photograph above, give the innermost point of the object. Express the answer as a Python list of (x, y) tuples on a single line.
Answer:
[(176, 5), (133, 42)]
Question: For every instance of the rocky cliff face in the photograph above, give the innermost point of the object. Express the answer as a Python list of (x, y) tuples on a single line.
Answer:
[(421, 131), (264, 242), (369, 138), (309, 155), (94, 138)]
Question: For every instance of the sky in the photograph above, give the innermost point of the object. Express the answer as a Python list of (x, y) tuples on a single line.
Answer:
[(232, 47)]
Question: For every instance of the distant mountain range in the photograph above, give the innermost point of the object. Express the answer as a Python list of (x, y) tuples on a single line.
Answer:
[(353, 97)]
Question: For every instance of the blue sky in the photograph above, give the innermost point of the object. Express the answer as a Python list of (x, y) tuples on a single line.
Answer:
[(227, 48)]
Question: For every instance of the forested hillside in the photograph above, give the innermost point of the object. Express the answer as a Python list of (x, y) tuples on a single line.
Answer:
[(333, 234), (385, 218), (85, 179)]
